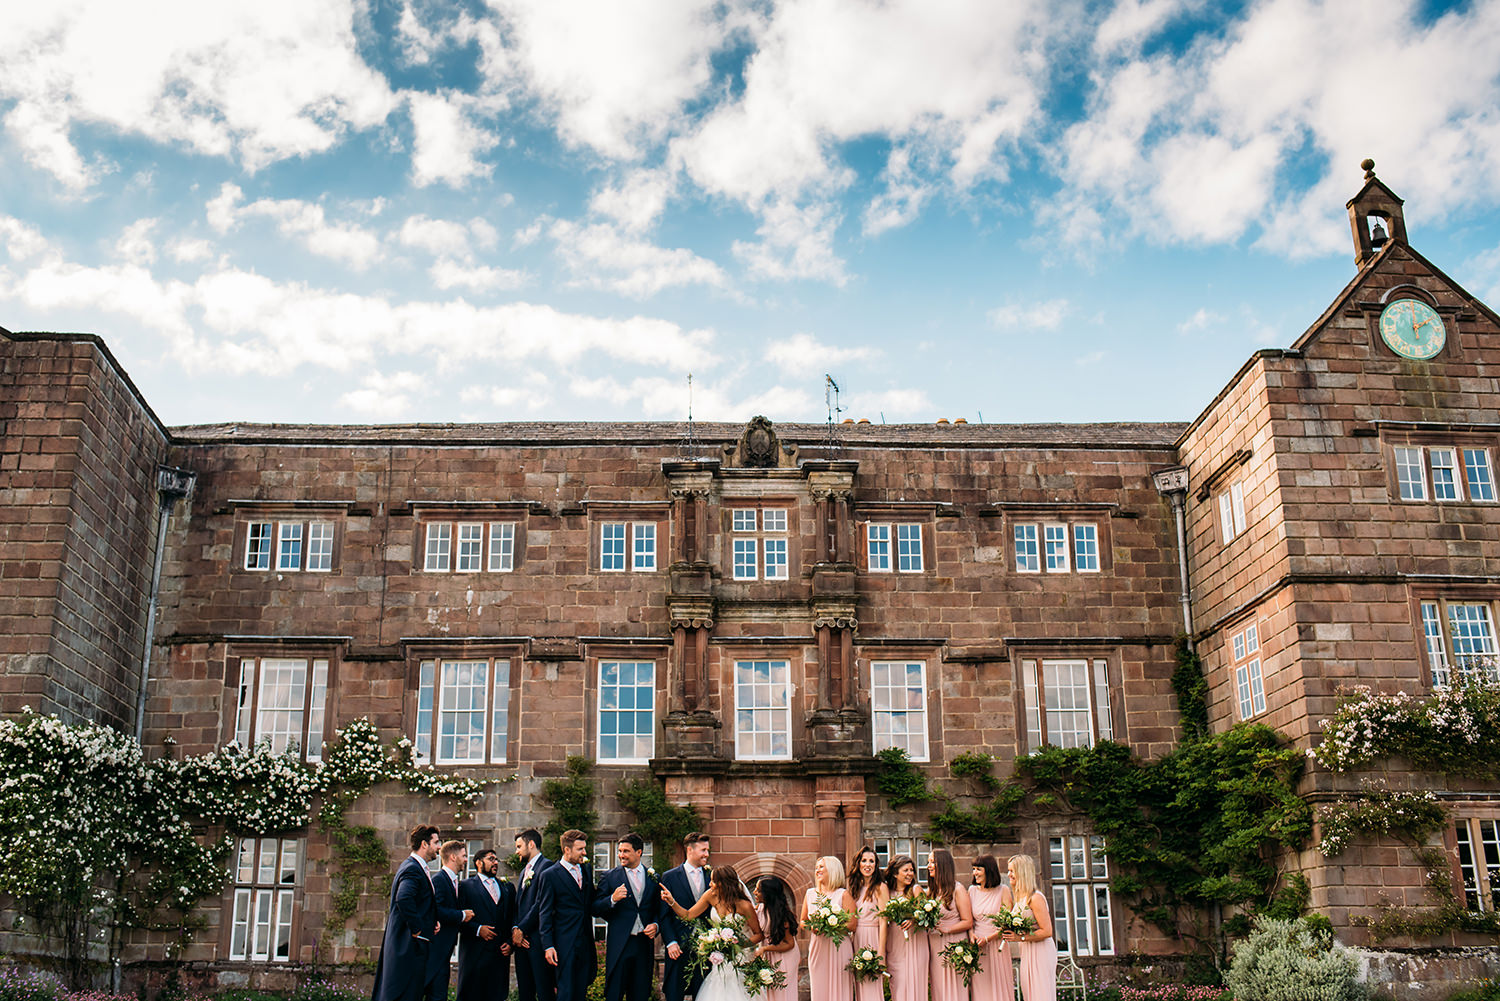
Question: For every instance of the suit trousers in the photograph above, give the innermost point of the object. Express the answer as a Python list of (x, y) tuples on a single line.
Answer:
[(630, 980)]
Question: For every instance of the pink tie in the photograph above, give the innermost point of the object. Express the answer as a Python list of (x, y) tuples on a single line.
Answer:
[(494, 891), (578, 877)]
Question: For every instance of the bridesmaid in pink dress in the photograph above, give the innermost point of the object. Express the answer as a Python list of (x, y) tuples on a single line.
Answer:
[(953, 926), (827, 975), (869, 892), (906, 946), (1038, 972), (989, 895), (773, 905)]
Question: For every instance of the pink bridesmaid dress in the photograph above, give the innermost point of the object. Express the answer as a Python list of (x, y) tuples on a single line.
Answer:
[(827, 975), (947, 985), (867, 936), (789, 962), (906, 958), (1038, 966), (996, 981)]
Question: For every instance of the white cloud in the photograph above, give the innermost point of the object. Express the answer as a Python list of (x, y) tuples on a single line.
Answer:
[(902, 199), (637, 202), (1028, 317), (526, 392), (447, 274), (385, 397), (659, 398), (1202, 319), (893, 406), (185, 250), (21, 240), (303, 221), (260, 82), (615, 76), (447, 139), (436, 236), (136, 244), (804, 354), (603, 257), (796, 241)]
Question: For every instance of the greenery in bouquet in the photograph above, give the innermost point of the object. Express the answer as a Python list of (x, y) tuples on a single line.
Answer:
[(1007, 921), (962, 958), (867, 964), (725, 940), (760, 974), (828, 921), (921, 910)]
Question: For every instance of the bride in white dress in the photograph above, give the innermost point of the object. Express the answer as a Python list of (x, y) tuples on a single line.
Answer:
[(723, 900)]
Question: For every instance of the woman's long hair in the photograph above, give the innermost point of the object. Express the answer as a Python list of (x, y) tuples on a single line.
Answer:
[(943, 879), (781, 920), (991, 869), (895, 867), (856, 882), (726, 886), (1024, 884), (834, 870)]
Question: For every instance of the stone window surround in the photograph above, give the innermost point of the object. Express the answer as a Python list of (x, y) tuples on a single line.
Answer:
[(1113, 714), (500, 649), (1246, 657), (1063, 892), (250, 888), (790, 535), (1468, 594), (631, 514), (241, 714), (1457, 444), (1482, 828), (276, 518), (492, 559)]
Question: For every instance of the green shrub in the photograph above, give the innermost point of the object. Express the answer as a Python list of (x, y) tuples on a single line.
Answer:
[(1487, 989), (1292, 961)]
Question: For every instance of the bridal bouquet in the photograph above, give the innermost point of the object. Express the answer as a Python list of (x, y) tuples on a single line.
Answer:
[(866, 965), (962, 958), (828, 921), (1007, 921), (725, 940), (921, 910), (760, 974)]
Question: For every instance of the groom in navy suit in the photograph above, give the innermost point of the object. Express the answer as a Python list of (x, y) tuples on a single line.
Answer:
[(566, 912), (401, 971), (535, 980), (629, 899), (687, 883)]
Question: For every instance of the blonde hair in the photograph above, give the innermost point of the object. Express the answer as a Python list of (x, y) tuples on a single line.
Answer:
[(833, 869), (1024, 884)]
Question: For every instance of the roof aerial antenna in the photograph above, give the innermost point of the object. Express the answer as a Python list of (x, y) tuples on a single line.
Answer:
[(831, 398), (981, 415), (690, 443)]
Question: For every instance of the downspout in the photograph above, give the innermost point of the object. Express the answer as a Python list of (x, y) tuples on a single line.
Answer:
[(1173, 484), (171, 486)]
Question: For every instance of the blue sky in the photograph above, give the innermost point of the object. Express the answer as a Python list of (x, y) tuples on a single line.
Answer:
[(317, 210)]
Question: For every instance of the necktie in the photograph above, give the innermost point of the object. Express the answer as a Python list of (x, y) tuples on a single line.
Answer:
[(695, 876), (577, 875), (489, 884), (636, 888)]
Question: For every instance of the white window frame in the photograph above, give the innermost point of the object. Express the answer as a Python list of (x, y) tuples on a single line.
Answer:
[(1232, 521), (437, 699), (254, 717), (909, 547), (1424, 471), (266, 875), (1451, 642), (1043, 719), (1411, 459), (1447, 475), (637, 547), (1055, 547), (746, 558), (885, 716), (1027, 548), (287, 546), (468, 547), (1481, 487), (771, 714), (1478, 843), (1082, 909), (878, 547), (636, 688), (919, 850), (1085, 546), (1249, 679)]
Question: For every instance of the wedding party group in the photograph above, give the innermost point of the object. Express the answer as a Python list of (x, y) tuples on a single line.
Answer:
[(721, 940)]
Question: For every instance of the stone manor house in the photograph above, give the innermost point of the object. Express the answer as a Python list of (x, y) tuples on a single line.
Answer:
[(748, 613)]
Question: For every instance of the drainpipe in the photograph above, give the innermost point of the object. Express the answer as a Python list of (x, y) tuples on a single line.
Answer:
[(1173, 484), (171, 486)]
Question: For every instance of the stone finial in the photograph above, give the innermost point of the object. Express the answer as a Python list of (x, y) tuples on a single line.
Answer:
[(1368, 166)]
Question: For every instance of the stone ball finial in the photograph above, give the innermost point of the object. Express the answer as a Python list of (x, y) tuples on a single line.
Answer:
[(1368, 166)]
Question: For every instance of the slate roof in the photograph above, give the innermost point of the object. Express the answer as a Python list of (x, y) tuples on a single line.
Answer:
[(1145, 435)]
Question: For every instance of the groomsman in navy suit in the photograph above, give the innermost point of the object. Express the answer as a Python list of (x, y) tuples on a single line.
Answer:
[(401, 971), (451, 919), (687, 883), (535, 980), (484, 950), (629, 899), (566, 912)]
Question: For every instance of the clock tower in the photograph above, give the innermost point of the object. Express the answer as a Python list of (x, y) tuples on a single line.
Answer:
[(1374, 217)]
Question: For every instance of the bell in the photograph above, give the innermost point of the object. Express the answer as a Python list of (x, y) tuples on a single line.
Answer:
[(1378, 235)]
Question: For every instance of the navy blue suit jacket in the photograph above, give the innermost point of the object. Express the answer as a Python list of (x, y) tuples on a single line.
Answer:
[(620, 917), (450, 915), (483, 971), (401, 970), (673, 930), (566, 912), (528, 895)]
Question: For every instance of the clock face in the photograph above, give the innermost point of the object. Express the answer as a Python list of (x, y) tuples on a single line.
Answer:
[(1412, 329)]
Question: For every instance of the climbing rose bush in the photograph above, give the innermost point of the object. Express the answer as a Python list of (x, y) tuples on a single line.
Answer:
[(1454, 730)]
